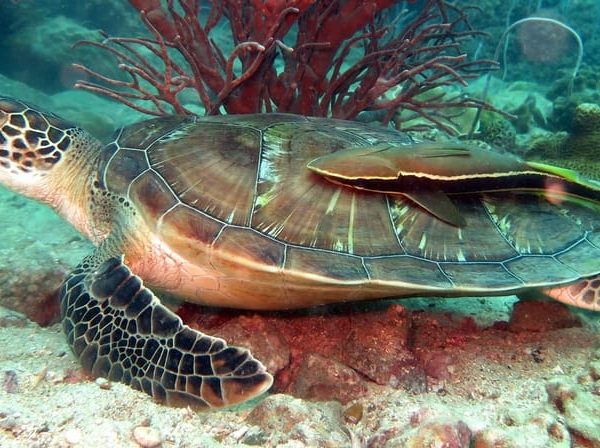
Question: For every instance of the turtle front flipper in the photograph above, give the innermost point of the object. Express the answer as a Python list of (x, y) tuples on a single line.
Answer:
[(119, 330), (583, 294)]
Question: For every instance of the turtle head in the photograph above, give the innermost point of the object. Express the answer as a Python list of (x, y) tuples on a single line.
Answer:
[(33, 145)]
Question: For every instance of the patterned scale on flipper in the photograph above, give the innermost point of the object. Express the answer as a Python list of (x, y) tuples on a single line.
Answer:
[(119, 330)]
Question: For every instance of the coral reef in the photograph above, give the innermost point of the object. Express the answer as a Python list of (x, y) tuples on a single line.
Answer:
[(585, 86), (585, 89), (340, 60), (496, 130), (526, 115), (576, 150), (586, 119)]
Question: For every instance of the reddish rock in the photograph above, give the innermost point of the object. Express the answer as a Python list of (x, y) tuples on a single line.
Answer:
[(322, 379), (323, 333), (442, 434), (377, 347), (261, 337), (437, 365), (541, 316), (493, 438), (373, 343), (387, 438), (75, 376), (442, 330)]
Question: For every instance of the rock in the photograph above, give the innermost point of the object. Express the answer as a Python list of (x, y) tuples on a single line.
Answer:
[(595, 370), (146, 437), (12, 319), (580, 408), (255, 437), (73, 436), (34, 263), (323, 331), (543, 431), (13, 87), (10, 382), (576, 150), (449, 435), (435, 433), (377, 347), (48, 44), (103, 383), (437, 365), (586, 118), (496, 130), (260, 337), (322, 379), (34, 294), (541, 316), (95, 114), (9, 422), (527, 115)]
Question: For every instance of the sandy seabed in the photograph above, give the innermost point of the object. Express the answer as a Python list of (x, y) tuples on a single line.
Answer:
[(502, 395), (504, 389)]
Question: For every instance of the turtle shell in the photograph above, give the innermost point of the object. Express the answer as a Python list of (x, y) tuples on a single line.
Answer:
[(233, 195)]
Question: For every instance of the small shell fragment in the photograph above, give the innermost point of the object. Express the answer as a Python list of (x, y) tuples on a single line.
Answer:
[(354, 413), (146, 437), (103, 383), (73, 436)]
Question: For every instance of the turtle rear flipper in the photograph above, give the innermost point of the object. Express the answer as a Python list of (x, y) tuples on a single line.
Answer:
[(120, 331), (584, 293)]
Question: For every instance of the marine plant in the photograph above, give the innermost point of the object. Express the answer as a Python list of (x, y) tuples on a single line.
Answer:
[(334, 58)]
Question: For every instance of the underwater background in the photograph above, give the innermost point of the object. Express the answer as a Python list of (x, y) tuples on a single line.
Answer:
[(483, 372)]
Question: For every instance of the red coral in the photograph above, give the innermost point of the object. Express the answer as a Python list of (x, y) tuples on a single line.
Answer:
[(344, 59)]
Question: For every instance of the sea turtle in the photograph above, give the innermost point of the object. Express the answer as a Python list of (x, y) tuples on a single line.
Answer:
[(276, 211)]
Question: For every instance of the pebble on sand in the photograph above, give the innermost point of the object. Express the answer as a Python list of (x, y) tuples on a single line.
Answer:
[(147, 437)]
